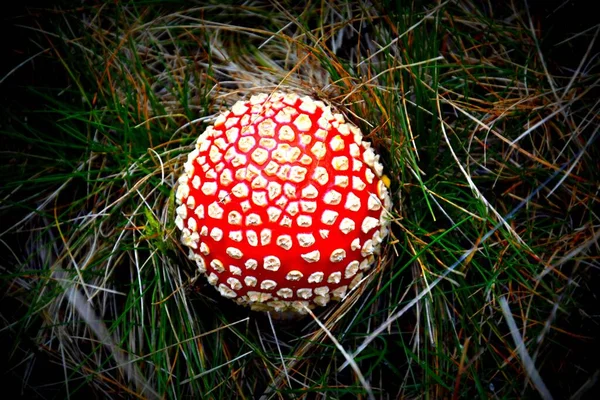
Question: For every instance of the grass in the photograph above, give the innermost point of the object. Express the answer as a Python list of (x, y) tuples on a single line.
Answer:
[(486, 288)]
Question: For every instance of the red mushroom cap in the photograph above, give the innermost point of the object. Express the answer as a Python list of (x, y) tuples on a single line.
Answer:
[(281, 203)]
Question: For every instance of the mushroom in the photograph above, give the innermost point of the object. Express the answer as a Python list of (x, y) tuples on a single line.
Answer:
[(281, 203)]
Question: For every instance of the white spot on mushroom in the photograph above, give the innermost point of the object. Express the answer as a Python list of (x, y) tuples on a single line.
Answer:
[(204, 230), (328, 217), (217, 265), (356, 165), (259, 198), (215, 154), (265, 237), (286, 221), (337, 255), (280, 154), (285, 293), (250, 281), (266, 128), (181, 211), (321, 175), (339, 118), (305, 239), (324, 233), (316, 277), (381, 190), (251, 264), (347, 225), (268, 284), (305, 293), (358, 184), (234, 218), (322, 290), (191, 202), (318, 150), (235, 270), (321, 134), (308, 206), (213, 278), (310, 192), (373, 203), (297, 174), (215, 211), (369, 175), (369, 157), (268, 143), (355, 245), (258, 98), (234, 253), (271, 263), (283, 172), (226, 292), (308, 105), (192, 224), (285, 115), (284, 241), (304, 221), (226, 177), (289, 190), (351, 269), (196, 182), (274, 213), (189, 239), (335, 277), (246, 143), (220, 143), (343, 129), (305, 159), (341, 181), (337, 143), (332, 197), (303, 123), (312, 257), (216, 234), (224, 197), (231, 121), (240, 190), (240, 174), (274, 190), (294, 275), (286, 134), (367, 248), (211, 174), (199, 211), (245, 205), (179, 222), (252, 238), (340, 292), (305, 139), (321, 300), (292, 208), (260, 156), (369, 223), (352, 202), (253, 219), (259, 297), (232, 135), (209, 188), (249, 130), (234, 283)]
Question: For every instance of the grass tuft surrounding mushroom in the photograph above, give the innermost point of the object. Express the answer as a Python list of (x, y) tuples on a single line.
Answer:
[(486, 120)]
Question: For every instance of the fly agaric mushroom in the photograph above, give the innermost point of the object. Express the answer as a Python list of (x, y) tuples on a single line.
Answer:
[(282, 204)]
